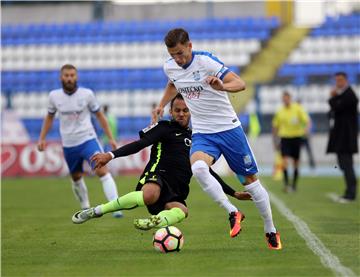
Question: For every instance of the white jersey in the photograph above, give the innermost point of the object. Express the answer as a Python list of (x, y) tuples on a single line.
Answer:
[(211, 110), (74, 115)]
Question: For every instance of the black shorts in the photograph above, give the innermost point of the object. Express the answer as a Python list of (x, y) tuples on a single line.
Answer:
[(171, 190), (290, 147)]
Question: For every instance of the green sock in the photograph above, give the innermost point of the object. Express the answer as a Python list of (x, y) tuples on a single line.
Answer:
[(170, 217), (126, 202)]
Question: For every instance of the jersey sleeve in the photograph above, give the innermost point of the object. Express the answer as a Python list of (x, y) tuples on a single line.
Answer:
[(93, 104), (216, 67), (51, 105), (155, 132), (131, 148)]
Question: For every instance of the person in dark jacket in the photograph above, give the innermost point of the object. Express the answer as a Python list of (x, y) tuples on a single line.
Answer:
[(343, 135)]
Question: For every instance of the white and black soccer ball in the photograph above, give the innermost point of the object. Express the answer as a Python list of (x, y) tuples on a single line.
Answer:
[(168, 239)]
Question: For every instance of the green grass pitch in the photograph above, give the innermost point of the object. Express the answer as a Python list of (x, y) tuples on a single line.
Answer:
[(39, 239)]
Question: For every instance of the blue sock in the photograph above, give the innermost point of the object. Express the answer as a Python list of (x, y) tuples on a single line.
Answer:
[(241, 178)]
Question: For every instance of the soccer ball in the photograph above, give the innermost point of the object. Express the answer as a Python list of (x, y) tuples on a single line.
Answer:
[(168, 239)]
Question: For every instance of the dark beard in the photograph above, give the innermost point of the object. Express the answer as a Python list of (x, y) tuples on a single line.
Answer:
[(69, 88)]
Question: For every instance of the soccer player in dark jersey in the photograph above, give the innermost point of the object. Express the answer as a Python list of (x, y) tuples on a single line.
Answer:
[(164, 185)]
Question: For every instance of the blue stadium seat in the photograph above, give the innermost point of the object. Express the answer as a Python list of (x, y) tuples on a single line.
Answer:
[(129, 127), (153, 78), (341, 25), (301, 72), (147, 30), (33, 127)]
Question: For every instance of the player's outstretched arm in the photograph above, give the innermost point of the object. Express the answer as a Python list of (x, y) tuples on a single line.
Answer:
[(169, 93), (101, 159), (48, 121), (240, 195)]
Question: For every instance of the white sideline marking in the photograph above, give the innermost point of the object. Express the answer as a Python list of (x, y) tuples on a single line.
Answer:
[(328, 259)]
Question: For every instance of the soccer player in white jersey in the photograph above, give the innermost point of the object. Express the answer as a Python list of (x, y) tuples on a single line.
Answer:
[(204, 81), (74, 105)]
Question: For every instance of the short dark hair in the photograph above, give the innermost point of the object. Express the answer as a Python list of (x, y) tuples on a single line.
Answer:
[(175, 36), (178, 96), (341, 73), (286, 93), (67, 66)]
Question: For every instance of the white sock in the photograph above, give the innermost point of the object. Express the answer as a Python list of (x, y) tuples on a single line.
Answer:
[(98, 210), (80, 190), (262, 202), (211, 186), (109, 187)]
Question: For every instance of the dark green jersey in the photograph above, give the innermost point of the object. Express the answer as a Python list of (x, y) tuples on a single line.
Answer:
[(170, 149)]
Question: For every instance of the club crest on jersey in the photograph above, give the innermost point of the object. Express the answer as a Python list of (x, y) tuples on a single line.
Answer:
[(187, 142), (247, 160), (196, 75)]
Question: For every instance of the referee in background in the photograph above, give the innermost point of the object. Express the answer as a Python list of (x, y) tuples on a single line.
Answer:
[(290, 124)]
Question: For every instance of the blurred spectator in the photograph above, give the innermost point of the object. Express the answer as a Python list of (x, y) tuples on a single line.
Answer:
[(112, 121), (344, 131), (290, 125)]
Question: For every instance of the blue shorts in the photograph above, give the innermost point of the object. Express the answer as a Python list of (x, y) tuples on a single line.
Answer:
[(76, 155), (232, 144)]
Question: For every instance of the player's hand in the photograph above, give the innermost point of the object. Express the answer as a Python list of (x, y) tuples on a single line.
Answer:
[(100, 159), (215, 82), (41, 145), (333, 92), (113, 144), (242, 195), (157, 113)]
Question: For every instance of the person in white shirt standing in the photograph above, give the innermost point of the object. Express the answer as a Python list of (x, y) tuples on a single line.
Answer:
[(74, 105), (204, 81)]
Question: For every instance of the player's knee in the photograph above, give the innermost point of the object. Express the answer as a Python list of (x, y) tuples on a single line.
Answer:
[(150, 194), (150, 197), (101, 172), (185, 210), (76, 176), (200, 169), (250, 179), (285, 163)]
